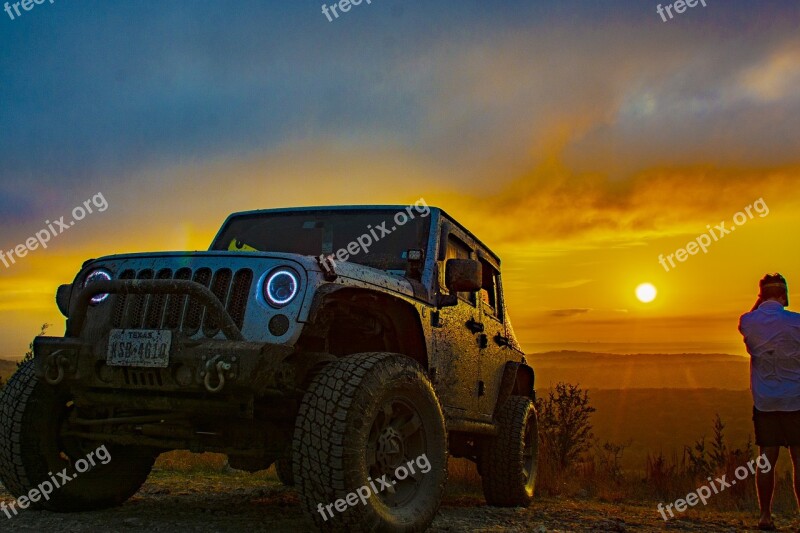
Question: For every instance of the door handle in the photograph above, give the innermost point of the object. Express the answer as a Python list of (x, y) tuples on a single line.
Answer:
[(473, 326), (501, 340)]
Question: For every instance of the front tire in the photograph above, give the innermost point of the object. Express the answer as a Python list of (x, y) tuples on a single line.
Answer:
[(370, 417), (509, 459), (32, 452)]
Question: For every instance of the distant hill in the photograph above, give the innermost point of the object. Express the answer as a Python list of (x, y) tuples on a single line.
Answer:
[(657, 402), (654, 420), (7, 367), (641, 371)]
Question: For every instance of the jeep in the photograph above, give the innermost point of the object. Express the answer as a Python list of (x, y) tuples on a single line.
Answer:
[(341, 344)]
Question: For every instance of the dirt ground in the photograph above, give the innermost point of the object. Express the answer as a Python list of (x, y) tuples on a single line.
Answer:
[(173, 503)]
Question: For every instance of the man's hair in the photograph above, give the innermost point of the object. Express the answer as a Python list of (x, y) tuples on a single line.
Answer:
[(773, 286)]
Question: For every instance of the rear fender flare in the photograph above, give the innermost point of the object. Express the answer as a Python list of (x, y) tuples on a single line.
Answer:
[(518, 380)]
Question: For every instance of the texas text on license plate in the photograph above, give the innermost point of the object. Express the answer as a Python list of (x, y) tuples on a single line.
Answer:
[(139, 347)]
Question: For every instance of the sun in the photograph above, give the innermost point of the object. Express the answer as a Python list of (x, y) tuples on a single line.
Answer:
[(646, 292)]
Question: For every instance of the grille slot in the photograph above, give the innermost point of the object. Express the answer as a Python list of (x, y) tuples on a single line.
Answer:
[(237, 303), (135, 311), (155, 309), (220, 286), (176, 303), (178, 311), (194, 314), (119, 305)]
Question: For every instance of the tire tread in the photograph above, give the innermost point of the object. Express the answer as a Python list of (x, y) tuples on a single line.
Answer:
[(502, 469)]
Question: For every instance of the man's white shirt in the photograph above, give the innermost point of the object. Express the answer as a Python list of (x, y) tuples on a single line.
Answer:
[(772, 336)]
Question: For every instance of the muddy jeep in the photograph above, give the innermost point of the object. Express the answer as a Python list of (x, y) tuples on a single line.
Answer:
[(353, 347)]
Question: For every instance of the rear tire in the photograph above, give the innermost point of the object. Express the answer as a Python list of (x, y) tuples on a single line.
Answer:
[(363, 418), (509, 459), (32, 451)]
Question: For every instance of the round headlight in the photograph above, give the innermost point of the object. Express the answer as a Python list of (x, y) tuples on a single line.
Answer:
[(280, 288), (100, 274)]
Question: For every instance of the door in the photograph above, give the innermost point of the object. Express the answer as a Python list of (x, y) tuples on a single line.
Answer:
[(493, 353), (455, 341)]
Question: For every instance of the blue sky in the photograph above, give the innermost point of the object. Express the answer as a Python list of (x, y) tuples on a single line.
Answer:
[(99, 90)]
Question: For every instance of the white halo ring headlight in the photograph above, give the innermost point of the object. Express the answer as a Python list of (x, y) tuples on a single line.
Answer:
[(101, 274), (281, 287)]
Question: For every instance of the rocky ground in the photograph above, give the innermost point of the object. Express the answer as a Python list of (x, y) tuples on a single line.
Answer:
[(174, 503)]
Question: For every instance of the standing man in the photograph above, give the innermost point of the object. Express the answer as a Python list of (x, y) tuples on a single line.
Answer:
[(772, 336)]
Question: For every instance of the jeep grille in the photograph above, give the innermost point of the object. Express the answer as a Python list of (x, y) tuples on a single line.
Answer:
[(180, 312)]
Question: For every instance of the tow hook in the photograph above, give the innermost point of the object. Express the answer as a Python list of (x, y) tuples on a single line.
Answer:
[(58, 361), (218, 367)]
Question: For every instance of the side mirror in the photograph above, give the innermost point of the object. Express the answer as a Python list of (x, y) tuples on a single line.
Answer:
[(463, 275)]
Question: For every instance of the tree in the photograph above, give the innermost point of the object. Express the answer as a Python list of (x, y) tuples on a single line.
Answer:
[(564, 425), (719, 450), (29, 353), (699, 465), (705, 460)]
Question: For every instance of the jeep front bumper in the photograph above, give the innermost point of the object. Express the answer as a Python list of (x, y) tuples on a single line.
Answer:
[(203, 366)]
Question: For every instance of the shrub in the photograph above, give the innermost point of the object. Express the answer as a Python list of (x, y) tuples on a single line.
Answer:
[(564, 426)]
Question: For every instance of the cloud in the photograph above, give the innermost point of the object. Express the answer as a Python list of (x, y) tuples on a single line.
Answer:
[(550, 205), (776, 77), (566, 313), (667, 323), (568, 284)]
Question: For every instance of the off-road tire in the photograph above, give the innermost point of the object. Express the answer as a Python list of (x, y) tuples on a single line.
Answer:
[(31, 451), (352, 404), (283, 467), (509, 459)]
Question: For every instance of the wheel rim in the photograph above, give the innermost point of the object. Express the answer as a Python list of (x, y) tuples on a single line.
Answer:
[(397, 437)]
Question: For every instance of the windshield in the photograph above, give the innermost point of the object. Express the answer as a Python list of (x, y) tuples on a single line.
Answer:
[(370, 237)]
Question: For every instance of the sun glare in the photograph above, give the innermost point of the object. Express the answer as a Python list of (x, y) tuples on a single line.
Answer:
[(646, 292)]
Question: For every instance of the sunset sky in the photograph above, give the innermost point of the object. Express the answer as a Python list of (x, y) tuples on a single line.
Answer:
[(579, 139)]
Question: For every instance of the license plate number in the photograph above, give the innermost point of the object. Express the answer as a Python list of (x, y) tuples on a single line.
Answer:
[(139, 347)]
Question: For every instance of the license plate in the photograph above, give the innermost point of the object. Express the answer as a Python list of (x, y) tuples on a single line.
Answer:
[(139, 347)]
